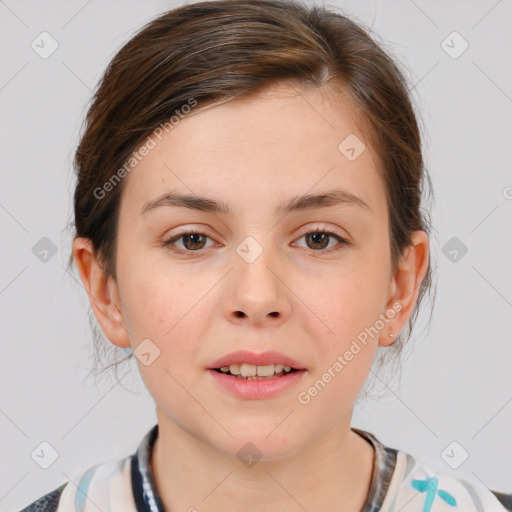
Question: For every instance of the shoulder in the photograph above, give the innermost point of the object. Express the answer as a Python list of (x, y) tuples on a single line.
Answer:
[(505, 499), (47, 503), (419, 486), (103, 486)]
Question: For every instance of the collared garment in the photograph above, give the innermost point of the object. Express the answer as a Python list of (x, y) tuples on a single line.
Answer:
[(399, 483)]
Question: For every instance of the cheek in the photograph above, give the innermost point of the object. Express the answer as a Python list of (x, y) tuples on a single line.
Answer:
[(348, 306), (346, 303), (152, 308), (161, 312), (154, 300), (347, 347), (169, 312)]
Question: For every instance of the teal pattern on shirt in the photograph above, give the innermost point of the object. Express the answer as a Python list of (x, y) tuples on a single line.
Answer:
[(430, 487)]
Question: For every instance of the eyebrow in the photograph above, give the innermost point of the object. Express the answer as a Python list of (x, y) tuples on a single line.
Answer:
[(333, 197)]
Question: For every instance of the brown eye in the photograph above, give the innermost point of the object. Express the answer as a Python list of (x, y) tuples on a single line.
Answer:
[(191, 241), (196, 240), (319, 240)]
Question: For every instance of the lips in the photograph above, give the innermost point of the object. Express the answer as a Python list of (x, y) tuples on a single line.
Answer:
[(262, 359)]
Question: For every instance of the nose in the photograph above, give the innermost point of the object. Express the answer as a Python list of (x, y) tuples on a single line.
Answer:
[(257, 293)]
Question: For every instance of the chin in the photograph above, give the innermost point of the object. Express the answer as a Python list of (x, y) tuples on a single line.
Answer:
[(265, 442)]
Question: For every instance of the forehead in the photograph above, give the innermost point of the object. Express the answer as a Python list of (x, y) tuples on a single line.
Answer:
[(283, 141)]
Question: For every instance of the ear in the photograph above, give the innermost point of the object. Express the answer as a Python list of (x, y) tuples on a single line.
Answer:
[(405, 286), (102, 291)]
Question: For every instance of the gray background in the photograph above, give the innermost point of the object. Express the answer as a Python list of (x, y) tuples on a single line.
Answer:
[(457, 382)]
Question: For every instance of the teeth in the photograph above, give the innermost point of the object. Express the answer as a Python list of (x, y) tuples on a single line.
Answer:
[(246, 370), (234, 369), (265, 371)]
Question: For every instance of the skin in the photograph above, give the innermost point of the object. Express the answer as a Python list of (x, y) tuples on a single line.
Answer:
[(253, 153)]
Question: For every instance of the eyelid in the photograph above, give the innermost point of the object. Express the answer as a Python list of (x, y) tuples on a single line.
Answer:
[(186, 230), (321, 227), (171, 239)]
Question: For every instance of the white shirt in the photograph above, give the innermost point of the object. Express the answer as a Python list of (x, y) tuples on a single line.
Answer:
[(399, 483)]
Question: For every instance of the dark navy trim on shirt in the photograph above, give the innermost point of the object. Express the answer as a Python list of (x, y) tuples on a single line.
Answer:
[(144, 490), (384, 463), (47, 503), (505, 499)]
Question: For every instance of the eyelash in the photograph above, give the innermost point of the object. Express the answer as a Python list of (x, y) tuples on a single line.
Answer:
[(342, 241)]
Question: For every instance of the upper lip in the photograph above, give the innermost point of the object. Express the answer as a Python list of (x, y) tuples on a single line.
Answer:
[(262, 359)]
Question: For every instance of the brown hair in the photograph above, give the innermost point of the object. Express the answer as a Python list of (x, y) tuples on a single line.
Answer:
[(220, 50)]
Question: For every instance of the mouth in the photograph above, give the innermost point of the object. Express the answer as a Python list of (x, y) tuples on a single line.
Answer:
[(250, 375), (247, 371), (250, 364), (247, 381)]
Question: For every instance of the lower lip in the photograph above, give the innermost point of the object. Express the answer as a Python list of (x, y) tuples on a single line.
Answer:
[(253, 388)]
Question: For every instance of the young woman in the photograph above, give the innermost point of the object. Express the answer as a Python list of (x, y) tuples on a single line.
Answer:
[(249, 222)]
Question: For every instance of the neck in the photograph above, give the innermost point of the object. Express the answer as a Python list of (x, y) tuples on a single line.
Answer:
[(331, 474)]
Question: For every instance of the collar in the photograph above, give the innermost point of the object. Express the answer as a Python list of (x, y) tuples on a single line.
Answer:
[(143, 485), (383, 467), (147, 499)]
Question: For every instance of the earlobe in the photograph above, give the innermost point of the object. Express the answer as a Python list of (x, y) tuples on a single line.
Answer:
[(412, 269), (102, 292)]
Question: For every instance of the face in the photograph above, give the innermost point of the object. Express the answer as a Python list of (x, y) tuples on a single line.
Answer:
[(302, 281)]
